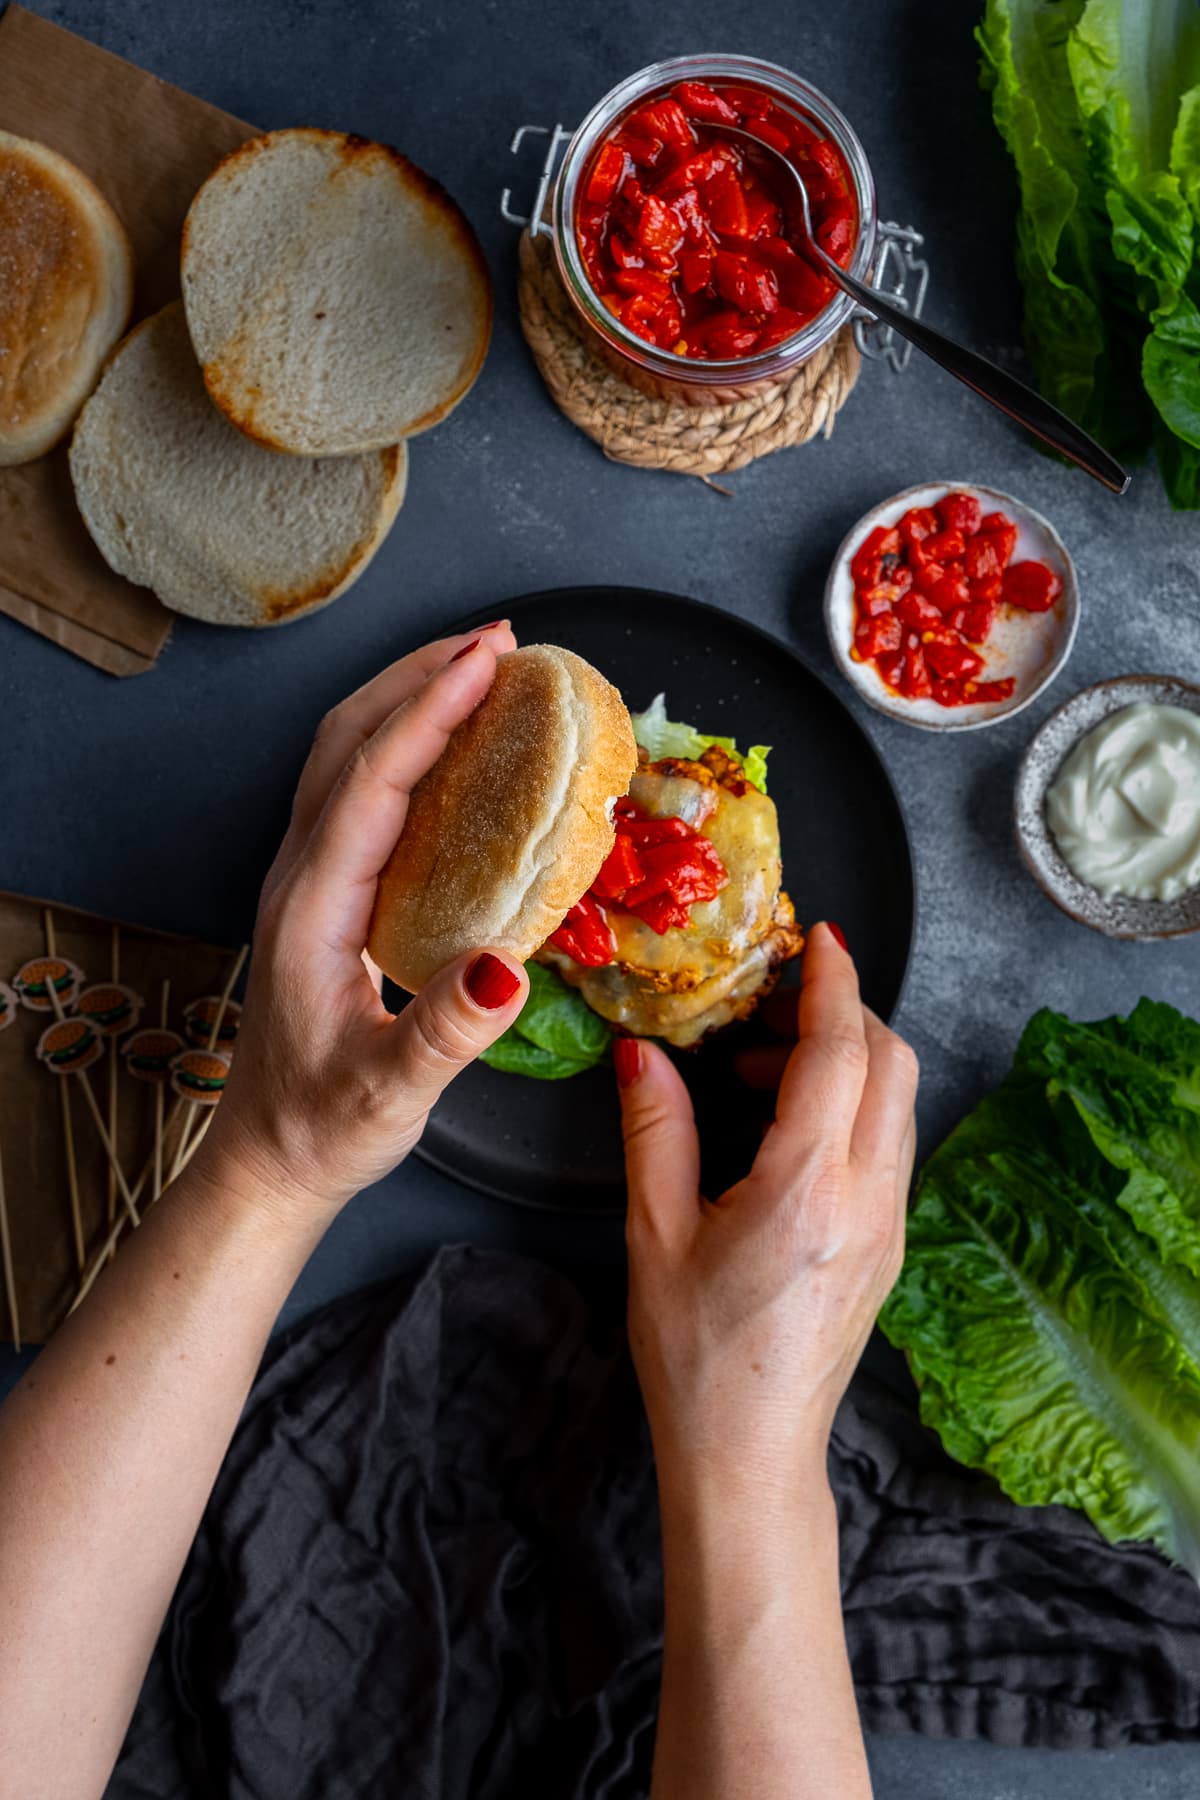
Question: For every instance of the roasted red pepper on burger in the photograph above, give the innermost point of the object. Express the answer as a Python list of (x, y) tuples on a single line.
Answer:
[(685, 233)]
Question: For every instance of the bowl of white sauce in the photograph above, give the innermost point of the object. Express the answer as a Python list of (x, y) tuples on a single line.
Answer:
[(1107, 807)]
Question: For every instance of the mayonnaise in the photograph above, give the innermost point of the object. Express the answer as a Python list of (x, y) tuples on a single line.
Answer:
[(1125, 806)]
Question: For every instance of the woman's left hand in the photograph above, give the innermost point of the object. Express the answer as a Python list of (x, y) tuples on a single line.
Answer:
[(329, 1091)]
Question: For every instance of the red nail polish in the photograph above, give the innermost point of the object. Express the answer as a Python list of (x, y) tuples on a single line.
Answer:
[(490, 982), (839, 934), (493, 624), (627, 1060), (466, 650)]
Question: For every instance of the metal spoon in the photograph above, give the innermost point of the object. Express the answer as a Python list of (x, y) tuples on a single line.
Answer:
[(1003, 390)]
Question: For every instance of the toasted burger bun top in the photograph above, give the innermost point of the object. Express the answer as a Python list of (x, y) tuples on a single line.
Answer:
[(337, 297), (513, 821), (66, 286)]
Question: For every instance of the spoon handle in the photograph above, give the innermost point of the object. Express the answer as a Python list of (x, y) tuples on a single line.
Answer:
[(1003, 390)]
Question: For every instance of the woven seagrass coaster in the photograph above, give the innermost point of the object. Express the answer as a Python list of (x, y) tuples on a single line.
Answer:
[(631, 427)]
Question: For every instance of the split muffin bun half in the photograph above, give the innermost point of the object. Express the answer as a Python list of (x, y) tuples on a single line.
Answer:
[(512, 823), (337, 298), (179, 501), (66, 286)]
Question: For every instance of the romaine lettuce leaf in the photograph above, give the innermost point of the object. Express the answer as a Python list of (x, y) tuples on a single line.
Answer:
[(660, 736), (556, 1033), (1048, 1302)]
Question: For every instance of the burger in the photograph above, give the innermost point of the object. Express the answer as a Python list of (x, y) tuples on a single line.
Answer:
[(69, 1045), (636, 860), (200, 1016), (8, 1005), (200, 1075), (148, 1054), (34, 980), (111, 1009)]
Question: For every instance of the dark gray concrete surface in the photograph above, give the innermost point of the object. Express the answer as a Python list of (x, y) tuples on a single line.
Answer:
[(161, 798)]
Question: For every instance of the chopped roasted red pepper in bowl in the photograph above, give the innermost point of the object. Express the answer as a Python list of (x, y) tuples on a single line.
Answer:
[(951, 607), (678, 243)]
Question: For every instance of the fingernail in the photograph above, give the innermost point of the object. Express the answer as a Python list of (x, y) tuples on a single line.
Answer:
[(627, 1060), (493, 625), (490, 982), (839, 934), (466, 650)]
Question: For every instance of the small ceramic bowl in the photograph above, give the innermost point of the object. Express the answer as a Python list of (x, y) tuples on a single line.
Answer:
[(1116, 915), (1032, 647)]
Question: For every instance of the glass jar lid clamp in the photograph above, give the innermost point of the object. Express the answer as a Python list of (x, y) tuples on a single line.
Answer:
[(900, 273)]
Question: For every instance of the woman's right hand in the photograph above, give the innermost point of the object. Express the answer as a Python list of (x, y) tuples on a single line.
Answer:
[(747, 1314)]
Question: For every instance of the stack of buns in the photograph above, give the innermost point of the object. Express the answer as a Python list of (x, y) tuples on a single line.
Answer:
[(244, 452)]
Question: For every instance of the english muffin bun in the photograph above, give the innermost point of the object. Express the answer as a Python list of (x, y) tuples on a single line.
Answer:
[(337, 298), (220, 528), (510, 826), (66, 286)]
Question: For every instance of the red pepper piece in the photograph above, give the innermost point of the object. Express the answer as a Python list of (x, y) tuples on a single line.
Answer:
[(983, 558), (695, 269), (800, 287), (585, 935), (945, 546), (749, 103), (695, 226), (659, 228), (623, 253), (864, 564), (608, 171), (783, 324), (926, 572), (651, 282), (645, 149), (621, 869), (772, 134), (641, 831), (918, 523), (890, 667), (725, 336), (1003, 531), (640, 313), (828, 161), (1031, 586), (995, 690), (750, 286), (876, 637), (764, 216), (725, 201), (918, 613), (959, 511), (702, 102), (953, 662), (988, 589), (914, 675), (948, 592), (977, 620), (835, 233), (884, 593)]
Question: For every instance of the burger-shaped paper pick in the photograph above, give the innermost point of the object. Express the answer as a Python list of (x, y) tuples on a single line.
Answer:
[(149, 1054), (200, 1075), (69, 1045), (34, 980), (201, 1015), (111, 1009), (8, 1006)]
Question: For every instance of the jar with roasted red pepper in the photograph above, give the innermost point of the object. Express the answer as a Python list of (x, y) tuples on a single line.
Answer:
[(679, 247)]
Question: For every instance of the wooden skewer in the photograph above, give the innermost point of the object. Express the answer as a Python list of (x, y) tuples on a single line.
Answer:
[(185, 1149), (159, 1102), (213, 1035), (115, 966), (64, 1095), (80, 1075), (10, 1278)]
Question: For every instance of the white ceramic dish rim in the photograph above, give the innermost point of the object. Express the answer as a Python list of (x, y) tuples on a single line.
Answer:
[(1041, 854), (899, 708)]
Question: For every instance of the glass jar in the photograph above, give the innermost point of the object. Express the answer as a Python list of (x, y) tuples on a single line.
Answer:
[(695, 380)]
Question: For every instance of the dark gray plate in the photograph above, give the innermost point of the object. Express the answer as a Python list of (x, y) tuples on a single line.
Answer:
[(846, 857)]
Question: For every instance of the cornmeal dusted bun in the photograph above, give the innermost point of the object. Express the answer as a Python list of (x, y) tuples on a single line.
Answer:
[(66, 285), (512, 823), (220, 528), (337, 297)]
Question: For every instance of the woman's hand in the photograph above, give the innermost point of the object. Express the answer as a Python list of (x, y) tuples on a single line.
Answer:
[(746, 1318), (329, 1091), (747, 1315)]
